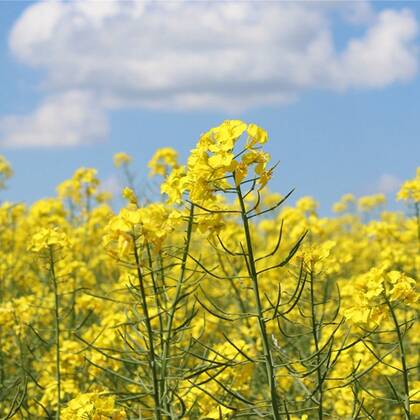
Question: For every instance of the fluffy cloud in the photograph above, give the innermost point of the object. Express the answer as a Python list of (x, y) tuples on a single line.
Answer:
[(211, 55), (386, 53), (68, 119)]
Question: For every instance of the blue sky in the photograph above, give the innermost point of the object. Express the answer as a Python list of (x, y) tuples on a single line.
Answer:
[(342, 112)]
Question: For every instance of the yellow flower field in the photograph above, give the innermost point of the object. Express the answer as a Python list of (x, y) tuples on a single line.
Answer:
[(216, 300)]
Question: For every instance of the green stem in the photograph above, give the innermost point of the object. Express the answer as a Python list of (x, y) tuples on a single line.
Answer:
[(261, 321), (152, 355), (162, 280), (57, 334), (403, 361), (156, 293), (171, 316), (316, 341)]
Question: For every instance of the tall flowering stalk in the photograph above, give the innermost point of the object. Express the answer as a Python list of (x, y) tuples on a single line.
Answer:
[(214, 167), (150, 334), (252, 271), (135, 237), (168, 332), (49, 244)]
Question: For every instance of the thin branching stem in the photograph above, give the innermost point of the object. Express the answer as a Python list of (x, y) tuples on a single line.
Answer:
[(152, 354), (156, 292), (261, 322), (172, 311), (406, 405), (57, 331), (315, 335)]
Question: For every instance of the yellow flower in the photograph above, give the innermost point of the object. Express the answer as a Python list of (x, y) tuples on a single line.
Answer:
[(81, 187), (157, 222), (344, 203), (162, 161), (48, 238), (404, 287), (121, 159), (265, 176), (175, 185), (6, 171), (226, 134), (257, 157), (410, 190), (257, 135), (86, 176), (307, 205), (129, 195), (241, 172), (93, 405), (370, 202), (151, 224), (221, 161)]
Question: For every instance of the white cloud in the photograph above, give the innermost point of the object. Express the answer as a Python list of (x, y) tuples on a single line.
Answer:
[(68, 119), (212, 55), (385, 55), (388, 184)]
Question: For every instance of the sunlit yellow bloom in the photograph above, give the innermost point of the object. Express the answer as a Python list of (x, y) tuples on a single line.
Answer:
[(257, 135), (344, 203), (370, 202), (95, 406), (162, 161), (129, 195), (241, 172), (410, 190), (307, 204), (121, 159), (48, 238), (175, 185), (6, 171), (404, 287)]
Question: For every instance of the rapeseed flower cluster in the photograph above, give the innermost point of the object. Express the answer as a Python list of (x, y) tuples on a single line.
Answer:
[(217, 299), (6, 171)]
